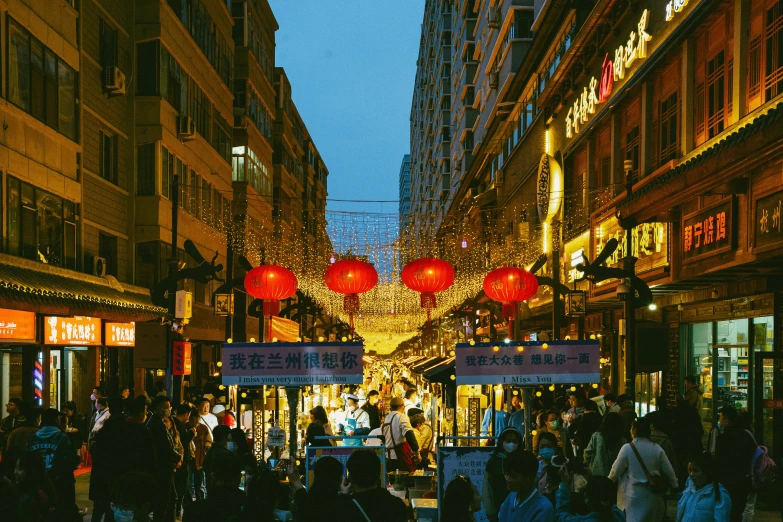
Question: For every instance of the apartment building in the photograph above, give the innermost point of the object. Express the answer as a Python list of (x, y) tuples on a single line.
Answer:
[(405, 190), (118, 115)]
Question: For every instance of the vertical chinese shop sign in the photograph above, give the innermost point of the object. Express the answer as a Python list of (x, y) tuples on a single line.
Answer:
[(768, 229), (528, 363), (292, 364)]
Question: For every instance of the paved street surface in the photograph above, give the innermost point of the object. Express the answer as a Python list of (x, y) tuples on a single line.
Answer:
[(83, 501)]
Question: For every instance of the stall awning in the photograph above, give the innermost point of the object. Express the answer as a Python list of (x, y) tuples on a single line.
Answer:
[(426, 364), (37, 287), (442, 371), (409, 361)]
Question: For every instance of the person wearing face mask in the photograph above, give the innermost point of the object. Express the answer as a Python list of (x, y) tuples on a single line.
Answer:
[(547, 449), (219, 451), (372, 409), (167, 458), (460, 501), (494, 489), (704, 499), (357, 421), (96, 394), (132, 496), (548, 424)]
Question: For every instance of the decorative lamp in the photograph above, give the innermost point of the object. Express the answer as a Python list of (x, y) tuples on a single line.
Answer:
[(510, 285), (351, 277), (271, 283), (428, 275)]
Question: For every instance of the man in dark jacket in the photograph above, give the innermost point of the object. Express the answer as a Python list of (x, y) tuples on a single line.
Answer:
[(103, 450), (368, 501), (733, 456), (372, 409), (166, 460), (183, 473), (60, 460)]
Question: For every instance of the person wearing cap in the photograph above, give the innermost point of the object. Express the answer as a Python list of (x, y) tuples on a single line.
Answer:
[(357, 421), (400, 440)]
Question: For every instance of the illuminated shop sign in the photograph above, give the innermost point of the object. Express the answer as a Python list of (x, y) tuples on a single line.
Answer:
[(17, 325), (674, 7), (121, 334), (649, 244), (768, 229), (80, 331), (707, 232), (612, 71)]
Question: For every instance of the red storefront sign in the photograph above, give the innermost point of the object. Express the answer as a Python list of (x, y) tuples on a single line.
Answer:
[(121, 334), (79, 331), (181, 358), (772, 404)]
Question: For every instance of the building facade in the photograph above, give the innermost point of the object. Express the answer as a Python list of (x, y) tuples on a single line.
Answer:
[(405, 189), (659, 119), (113, 112)]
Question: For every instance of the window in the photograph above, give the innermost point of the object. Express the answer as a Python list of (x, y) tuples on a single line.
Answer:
[(669, 130), (630, 135), (146, 165), (107, 249), (166, 172), (206, 200), (41, 226), (39, 82), (109, 45), (713, 78), (148, 53), (193, 194), (108, 156)]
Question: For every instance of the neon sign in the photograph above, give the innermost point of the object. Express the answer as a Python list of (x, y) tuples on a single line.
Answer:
[(611, 71), (674, 6)]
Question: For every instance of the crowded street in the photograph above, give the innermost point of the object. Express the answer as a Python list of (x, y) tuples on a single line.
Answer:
[(391, 261)]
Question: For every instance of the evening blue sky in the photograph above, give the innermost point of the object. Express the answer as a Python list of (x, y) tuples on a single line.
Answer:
[(352, 65)]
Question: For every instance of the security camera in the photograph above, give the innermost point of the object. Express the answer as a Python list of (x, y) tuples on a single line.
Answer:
[(624, 290)]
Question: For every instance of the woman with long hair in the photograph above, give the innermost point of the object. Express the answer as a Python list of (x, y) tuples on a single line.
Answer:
[(494, 489), (643, 473), (605, 445), (704, 499), (460, 501), (319, 426)]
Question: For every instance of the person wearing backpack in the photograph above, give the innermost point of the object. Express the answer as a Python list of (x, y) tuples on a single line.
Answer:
[(734, 451), (704, 498)]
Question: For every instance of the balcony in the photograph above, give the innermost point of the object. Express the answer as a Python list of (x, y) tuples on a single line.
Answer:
[(471, 117)]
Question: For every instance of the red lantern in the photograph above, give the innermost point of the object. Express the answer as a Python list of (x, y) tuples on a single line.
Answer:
[(428, 275), (351, 277), (510, 285), (271, 283)]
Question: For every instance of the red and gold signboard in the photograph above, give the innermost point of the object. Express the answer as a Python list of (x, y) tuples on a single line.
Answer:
[(121, 334), (17, 325), (181, 354), (79, 331), (772, 404)]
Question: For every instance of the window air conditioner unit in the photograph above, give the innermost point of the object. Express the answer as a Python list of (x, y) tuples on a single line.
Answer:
[(187, 128), (98, 266), (494, 17), (114, 80), (493, 80)]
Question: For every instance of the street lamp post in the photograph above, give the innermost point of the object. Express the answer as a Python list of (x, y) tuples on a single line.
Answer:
[(629, 267)]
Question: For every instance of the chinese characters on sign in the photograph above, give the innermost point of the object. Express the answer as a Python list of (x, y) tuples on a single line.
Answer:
[(292, 364), (772, 404), (612, 71), (673, 7), (17, 325), (80, 331), (120, 334), (768, 227), (707, 231), (650, 244), (560, 362), (454, 461)]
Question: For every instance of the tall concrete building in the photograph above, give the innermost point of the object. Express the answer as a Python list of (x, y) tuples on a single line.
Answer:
[(431, 118), (405, 189), (104, 104)]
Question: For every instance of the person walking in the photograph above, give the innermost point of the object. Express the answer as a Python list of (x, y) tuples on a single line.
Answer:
[(460, 501), (60, 461), (605, 445), (363, 498), (102, 450), (202, 441), (217, 452), (612, 406), (167, 458), (99, 418), (372, 409), (400, 440), (494, 489), (184, 473), (733, 456), (205, 416), (693, 394), (643, 472), (525, 503), (704, 499), (550, 424)]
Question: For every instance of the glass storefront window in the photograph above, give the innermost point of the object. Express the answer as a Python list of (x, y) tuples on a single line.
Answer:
[(700, 366)]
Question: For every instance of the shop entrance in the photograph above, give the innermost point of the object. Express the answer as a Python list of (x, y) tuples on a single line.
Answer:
[(649, 387), (768, 403)]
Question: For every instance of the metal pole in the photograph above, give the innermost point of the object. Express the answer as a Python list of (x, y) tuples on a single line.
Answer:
[(492, 411), (293, 401), (555, 289), (629, 266), (528, 404), (173, 383)]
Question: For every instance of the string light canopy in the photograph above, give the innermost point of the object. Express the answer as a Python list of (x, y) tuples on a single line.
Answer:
[(351, 277), (510, 285)]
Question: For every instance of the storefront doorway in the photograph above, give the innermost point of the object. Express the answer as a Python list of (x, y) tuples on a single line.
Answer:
[(768, 406), (649, 387)]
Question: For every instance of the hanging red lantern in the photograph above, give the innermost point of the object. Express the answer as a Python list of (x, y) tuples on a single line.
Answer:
[(428, 276), (351, 277), (271, 283), (510, 285)]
